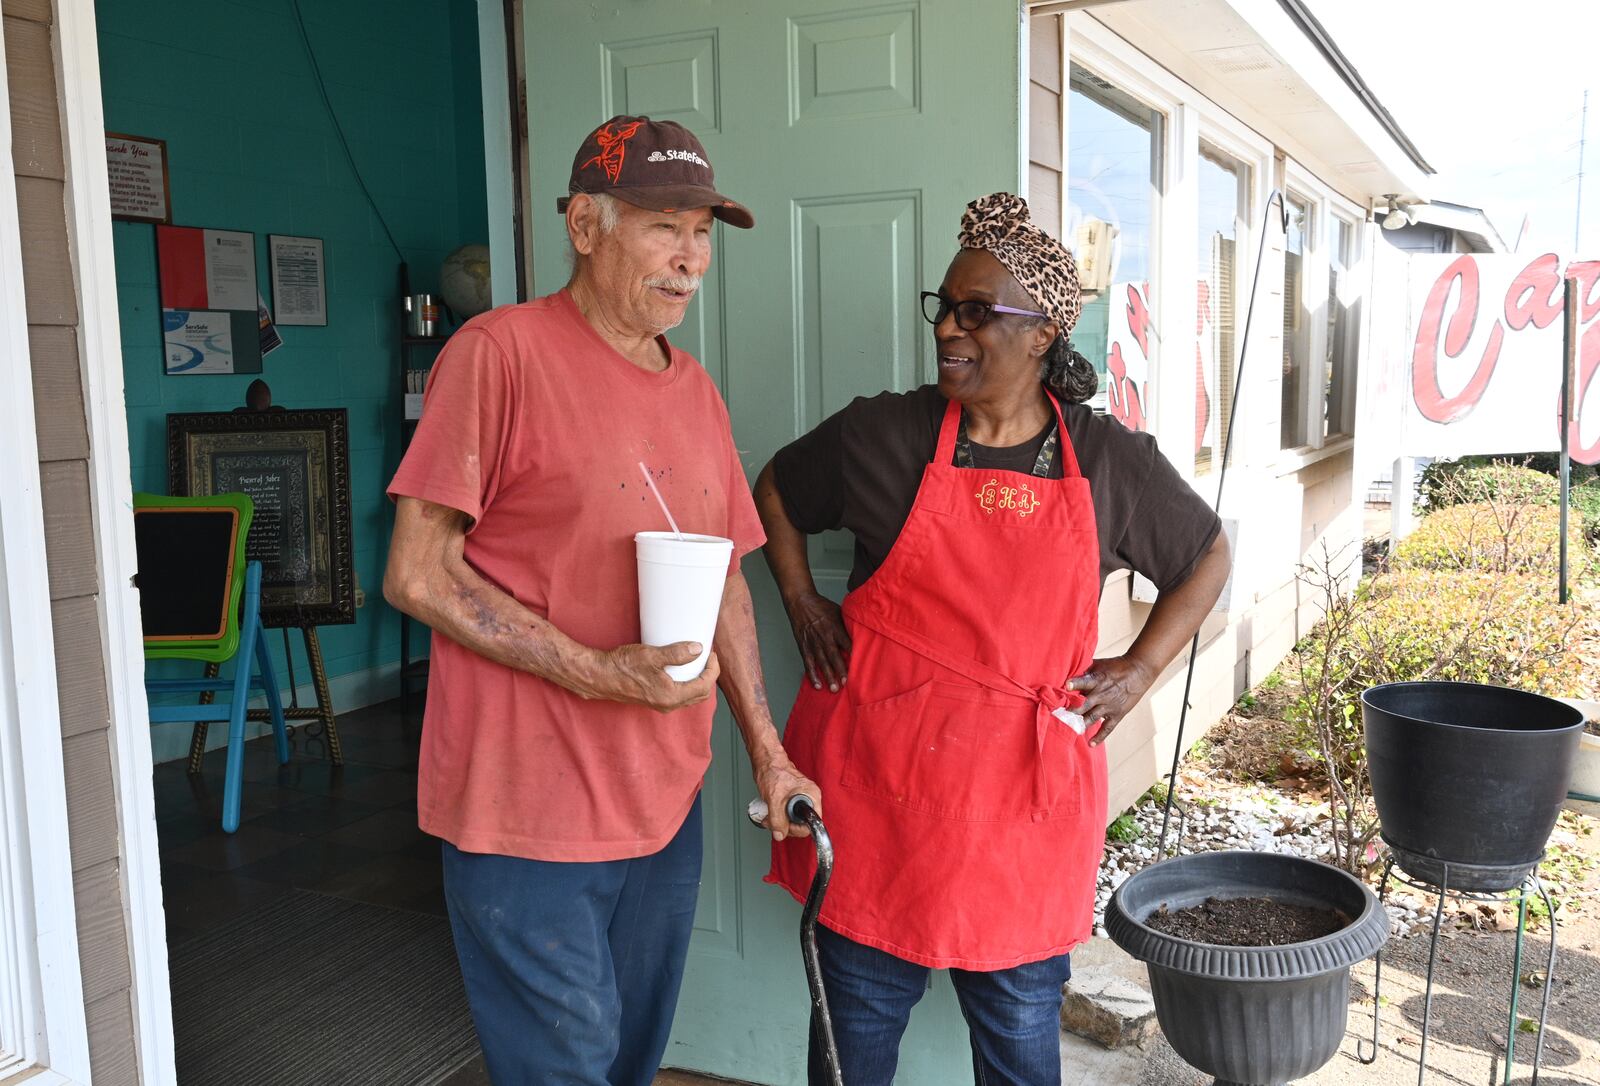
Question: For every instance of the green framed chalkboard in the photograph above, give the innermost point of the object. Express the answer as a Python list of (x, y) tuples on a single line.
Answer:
[(191, 570), (295, 466)]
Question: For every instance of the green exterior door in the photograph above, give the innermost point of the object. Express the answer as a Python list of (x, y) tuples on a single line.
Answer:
[(855, 135)]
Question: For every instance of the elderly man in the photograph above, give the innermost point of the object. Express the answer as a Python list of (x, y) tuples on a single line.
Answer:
[(560, 763)]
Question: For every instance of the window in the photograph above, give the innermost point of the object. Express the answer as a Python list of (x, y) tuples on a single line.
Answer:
[(1114, 172), (1344, 324), (1296, 325), (1224, 208)]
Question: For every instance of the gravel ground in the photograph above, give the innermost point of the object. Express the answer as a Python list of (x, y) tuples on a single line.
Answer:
[(1261, 818)]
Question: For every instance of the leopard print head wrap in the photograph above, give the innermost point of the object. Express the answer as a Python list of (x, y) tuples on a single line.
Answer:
[(999, 223)]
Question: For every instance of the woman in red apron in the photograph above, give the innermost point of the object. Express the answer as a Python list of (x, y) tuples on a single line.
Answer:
[(961, 762)]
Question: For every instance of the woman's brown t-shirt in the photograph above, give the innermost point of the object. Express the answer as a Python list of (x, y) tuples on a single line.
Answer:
[(860, 468)]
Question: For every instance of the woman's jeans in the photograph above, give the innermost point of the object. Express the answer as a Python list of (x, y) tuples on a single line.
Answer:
[(1013, 1015), (572, 969)]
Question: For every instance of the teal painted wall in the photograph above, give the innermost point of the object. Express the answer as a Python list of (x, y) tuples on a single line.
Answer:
[(229, 87)]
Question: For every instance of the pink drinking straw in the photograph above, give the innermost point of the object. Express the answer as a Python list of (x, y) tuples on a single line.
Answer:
[(651, 483)]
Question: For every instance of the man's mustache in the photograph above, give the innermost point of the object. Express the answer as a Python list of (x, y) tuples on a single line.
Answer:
[(685, 284)]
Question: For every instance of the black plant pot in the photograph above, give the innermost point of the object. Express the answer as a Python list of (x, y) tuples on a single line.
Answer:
[(1260, 1015), (1469, 775)]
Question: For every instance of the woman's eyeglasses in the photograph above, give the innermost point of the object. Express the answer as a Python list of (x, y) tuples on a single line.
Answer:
[(970, 314)]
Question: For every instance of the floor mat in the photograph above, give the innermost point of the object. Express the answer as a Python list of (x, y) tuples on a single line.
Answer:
[(312, 988)]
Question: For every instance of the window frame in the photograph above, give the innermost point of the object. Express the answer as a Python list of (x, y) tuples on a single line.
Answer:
[(1244, 236), (1192, 118), (1088, 45), (1325, 206)]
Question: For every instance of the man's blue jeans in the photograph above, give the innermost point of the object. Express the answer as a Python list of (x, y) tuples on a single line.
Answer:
[(572, 969), (1013, 1015)]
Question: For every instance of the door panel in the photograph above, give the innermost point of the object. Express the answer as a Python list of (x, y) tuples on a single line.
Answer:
[(856, 136)]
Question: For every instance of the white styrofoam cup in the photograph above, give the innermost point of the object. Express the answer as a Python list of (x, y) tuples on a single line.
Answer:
[(680, 592)]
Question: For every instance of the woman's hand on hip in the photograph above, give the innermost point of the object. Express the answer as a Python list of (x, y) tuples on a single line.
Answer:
[(1110, 689), (823, 641)]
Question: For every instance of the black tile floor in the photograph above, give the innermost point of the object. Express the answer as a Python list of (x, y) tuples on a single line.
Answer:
[(350, 832)]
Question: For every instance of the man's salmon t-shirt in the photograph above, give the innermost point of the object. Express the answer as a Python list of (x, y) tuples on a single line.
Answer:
[(535, 427)]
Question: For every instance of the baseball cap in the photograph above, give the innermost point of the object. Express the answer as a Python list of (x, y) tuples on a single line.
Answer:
[(657, 165)]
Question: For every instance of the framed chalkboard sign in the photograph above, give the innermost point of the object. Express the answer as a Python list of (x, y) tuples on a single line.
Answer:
[(186, 569), (295, 465)]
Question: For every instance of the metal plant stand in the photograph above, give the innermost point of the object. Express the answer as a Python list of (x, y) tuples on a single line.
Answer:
[(1475, 873)]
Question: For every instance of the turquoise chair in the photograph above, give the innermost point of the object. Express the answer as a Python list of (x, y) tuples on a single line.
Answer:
[(201, 600)]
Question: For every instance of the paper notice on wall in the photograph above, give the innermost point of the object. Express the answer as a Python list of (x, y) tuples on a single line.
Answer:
[(230, 269), (136, 172), (270, 339), (198, 341), (299, 287)]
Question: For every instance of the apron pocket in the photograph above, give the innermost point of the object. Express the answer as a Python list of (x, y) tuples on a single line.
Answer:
[(965, 753)]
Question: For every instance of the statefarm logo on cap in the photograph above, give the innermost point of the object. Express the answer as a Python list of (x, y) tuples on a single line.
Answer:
[(678, 156)]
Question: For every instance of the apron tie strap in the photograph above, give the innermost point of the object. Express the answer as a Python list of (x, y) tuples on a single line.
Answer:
[(1055, 703)]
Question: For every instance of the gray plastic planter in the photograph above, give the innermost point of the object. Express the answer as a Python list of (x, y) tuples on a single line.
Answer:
[(1259, 1015)]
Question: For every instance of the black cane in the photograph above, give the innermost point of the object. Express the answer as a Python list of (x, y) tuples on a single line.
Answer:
[(801, 809)]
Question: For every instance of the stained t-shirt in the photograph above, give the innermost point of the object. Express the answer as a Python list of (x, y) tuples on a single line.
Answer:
[(534, 427), (860, 468)]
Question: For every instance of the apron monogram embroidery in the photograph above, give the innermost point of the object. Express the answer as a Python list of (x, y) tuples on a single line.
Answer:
[(1019, 499)]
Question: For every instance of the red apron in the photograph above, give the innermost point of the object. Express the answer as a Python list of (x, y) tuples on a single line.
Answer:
[(968, 816)]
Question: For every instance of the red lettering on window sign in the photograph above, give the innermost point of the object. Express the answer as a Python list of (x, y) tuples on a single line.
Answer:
[(1124, 399), (1430, 398), (1535, 295), (1583, 385), (1139, 317)]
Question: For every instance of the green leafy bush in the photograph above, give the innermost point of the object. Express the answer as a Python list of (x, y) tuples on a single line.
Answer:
[(1585, 501), (1493, 536), (1481, 478), (1446, 483)]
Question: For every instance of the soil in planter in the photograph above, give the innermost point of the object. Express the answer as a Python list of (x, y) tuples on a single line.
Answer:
[(1247, 921)]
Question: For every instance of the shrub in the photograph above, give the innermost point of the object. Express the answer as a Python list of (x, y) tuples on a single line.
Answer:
[(1450, 482), (1585, 501), (1465, 624), (1492, 536), (1479, 478)]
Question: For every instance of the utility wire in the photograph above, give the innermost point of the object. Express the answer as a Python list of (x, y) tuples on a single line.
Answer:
[(1583, 135), (338, 129)]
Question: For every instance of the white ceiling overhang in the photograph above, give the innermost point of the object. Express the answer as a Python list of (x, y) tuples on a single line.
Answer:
[(1256, 61)]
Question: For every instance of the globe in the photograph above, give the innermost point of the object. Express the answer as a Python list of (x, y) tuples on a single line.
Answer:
[(464, 280)]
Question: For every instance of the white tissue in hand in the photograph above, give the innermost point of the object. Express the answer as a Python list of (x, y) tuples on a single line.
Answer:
[(1070, 719)]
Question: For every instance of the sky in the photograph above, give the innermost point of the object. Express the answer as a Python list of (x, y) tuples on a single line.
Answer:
[(1491, 93)]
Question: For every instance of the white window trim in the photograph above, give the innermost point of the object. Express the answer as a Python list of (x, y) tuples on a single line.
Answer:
[(1227, 135), (41, 992), (1324, 205), (1192, 117), (1089, 45), (100, 347)]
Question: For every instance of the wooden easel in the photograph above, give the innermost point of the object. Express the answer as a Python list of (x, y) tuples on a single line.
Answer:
[(321, 712)]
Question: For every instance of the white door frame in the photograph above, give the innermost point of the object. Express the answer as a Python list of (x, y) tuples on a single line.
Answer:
[(110, 480), (41, 991)]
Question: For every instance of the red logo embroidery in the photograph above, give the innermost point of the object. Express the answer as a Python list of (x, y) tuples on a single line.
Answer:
[(613, 148)]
